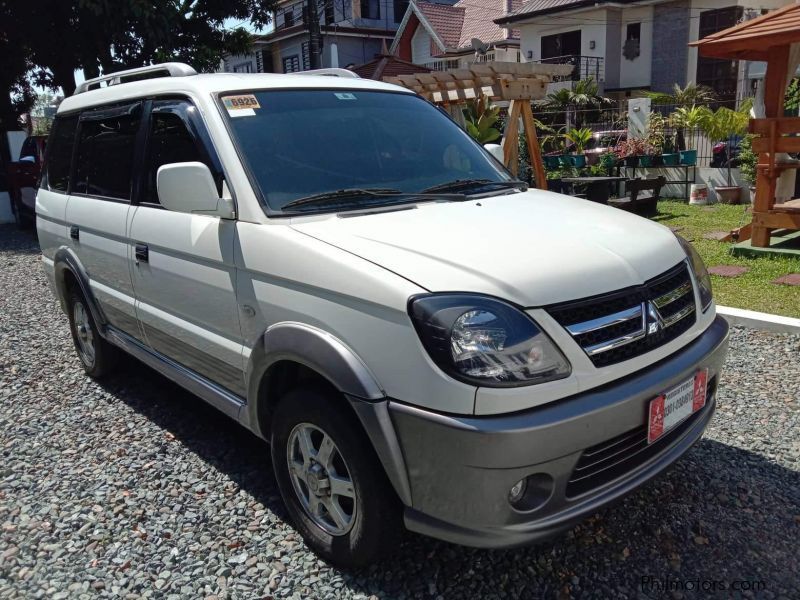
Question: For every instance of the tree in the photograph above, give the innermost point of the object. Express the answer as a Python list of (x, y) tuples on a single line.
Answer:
[(582, 101), (17, 93), (98, 36), (690, 95)]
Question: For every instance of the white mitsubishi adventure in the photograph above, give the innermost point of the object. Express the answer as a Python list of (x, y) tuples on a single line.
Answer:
[(337, 265)]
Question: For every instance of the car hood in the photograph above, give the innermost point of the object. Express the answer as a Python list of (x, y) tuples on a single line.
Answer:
[(533, 248)]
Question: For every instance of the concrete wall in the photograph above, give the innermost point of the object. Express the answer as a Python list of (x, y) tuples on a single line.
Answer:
[(699, 6), (351, 49), (15, 140), (707, 175), (592, 24), (636, 72)]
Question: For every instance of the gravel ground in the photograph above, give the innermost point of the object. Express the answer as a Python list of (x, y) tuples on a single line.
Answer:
[(133, 488)]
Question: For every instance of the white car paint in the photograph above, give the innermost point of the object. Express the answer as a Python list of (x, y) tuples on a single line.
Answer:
[(217, 285), (533, 248)]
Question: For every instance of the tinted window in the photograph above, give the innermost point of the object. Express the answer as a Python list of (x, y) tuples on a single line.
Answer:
[(300, 143), (105, 156), (59, 153), (169, 142)]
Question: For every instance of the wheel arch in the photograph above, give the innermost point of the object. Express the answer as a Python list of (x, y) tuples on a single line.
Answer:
[(292, 353), (70, 273)]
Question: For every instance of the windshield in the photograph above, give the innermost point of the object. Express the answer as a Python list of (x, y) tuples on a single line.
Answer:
[(298, 144)]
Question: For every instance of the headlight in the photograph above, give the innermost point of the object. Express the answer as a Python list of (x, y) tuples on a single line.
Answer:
[(700, 272), (484, 341)]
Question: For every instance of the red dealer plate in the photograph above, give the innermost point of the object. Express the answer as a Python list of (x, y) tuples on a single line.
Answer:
[(674, 406)]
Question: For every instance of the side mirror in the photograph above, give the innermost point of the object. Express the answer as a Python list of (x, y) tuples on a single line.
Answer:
[(495, 150), (189, 187)]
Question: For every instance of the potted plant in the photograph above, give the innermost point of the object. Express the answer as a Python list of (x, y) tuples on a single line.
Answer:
[(633, 151), (748, 161), (655, 137), (686, 120), (724, 124), (668, 154), (481, 120), (608, 160), (580, 138)]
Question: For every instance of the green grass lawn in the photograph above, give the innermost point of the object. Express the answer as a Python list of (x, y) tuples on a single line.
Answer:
[(754, 289)]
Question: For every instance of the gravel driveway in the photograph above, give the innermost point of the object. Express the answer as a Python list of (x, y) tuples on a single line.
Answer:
[(133, 488)]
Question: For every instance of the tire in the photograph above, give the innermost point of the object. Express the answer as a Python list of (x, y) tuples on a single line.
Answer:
[(374, 510), (97, 356)]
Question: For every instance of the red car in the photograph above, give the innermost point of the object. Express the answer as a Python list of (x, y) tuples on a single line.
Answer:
[(23, 179)]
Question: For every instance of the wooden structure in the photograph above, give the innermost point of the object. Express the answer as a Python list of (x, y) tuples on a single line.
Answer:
[(768, 38), (518, 83)]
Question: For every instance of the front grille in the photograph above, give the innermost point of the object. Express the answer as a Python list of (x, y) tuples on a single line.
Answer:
[(613, 458), (615, 327)]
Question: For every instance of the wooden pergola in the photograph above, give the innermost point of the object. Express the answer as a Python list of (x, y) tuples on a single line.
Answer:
[(518, 83), (767, 38)]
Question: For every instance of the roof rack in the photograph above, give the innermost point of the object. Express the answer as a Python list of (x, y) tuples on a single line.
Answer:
[(331, 72), (172, 69)]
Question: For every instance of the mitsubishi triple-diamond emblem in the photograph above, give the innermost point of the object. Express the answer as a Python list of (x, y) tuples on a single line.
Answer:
[(654, 321)]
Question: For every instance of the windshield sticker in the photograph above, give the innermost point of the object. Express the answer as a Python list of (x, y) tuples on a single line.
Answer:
[(345, 96), (241, 106)]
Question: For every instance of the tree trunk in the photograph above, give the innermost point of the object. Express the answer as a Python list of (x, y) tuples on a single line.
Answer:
[(64, 77)]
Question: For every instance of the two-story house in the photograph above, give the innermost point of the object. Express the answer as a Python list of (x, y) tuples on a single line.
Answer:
[(634, 44), (352, 33), (443, 34)]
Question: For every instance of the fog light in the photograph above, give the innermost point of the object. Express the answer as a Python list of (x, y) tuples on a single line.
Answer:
[(517, 491), (531, 493)]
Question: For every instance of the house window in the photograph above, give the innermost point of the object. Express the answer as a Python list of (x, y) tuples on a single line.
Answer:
[(633, 36), (330, 14), (291, 64), (288, 17), (246, 67), (720, 75), (400, 7), (305, 50), (371, 9), (561, 44)]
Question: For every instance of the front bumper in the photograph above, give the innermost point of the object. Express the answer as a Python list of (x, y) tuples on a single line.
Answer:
[(460, 469)]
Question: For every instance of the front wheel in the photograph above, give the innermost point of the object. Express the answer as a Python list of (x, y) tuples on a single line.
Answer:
[(331, 481)]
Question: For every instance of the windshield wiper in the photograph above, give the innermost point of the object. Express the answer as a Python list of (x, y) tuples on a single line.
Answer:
[(358, 195), (460, 184)]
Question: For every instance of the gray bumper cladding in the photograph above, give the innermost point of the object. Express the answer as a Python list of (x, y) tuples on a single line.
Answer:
[(460, 469)]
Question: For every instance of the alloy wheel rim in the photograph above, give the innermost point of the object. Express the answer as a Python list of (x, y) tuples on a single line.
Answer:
[(83, 333), (321, 479)]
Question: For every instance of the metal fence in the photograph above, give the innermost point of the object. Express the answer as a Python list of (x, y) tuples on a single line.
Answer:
[(609, 123)]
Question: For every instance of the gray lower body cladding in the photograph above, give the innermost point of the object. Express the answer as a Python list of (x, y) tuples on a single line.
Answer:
[(460, 469)]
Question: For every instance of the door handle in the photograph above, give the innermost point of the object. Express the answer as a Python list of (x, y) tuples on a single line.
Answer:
[(74, 232), (142, 253)]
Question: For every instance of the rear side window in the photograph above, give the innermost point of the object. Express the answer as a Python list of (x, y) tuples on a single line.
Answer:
[(170, 141), (59, 153), (106, 146)]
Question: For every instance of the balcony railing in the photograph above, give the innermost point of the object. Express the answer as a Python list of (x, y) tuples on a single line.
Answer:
[(465, 61), (584, 67)]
